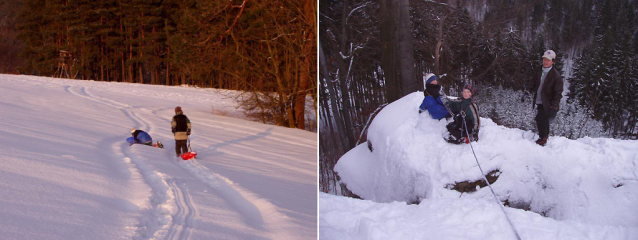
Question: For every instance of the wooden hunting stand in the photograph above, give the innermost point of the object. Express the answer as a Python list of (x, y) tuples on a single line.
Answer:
[(64, 64)]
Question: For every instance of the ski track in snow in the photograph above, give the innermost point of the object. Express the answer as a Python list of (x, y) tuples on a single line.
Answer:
[(158, 221), (250, 206), (183, 218), (172, 211)]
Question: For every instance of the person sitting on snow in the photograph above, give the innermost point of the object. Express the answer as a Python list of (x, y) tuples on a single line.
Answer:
[(432, 101), (464, 109), (142, 137)]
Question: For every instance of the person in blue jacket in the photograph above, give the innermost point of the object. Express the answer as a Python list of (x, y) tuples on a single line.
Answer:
[(432, 101), (142, 137)]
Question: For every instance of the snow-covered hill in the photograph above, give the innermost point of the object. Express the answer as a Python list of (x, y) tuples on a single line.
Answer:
[(66, 171), (574, 189)]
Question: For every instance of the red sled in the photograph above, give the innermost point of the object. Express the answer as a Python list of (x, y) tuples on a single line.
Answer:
[(189, 155)]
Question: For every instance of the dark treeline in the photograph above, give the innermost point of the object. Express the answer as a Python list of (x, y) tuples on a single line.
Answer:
[(267, 48), (363, 57), (10, 46)]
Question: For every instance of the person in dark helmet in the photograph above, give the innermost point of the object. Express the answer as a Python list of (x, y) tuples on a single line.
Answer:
[(547, 86), (181, 128), (464, 109), (142, 137), (432, 100)]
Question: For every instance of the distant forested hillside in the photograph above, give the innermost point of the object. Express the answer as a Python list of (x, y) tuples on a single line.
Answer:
[(267, 48)]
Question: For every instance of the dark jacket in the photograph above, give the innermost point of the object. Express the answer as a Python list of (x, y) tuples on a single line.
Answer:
[(181, 127), (432, 102), (552, 90), (471, 112)]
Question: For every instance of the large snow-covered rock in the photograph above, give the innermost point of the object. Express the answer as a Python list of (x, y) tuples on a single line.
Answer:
[(587, 180)]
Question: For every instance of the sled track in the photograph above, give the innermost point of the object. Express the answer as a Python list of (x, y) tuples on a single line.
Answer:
[(249, 205), (246, 206), (179, 225), (157, 221), (234, 128), (182, 224)]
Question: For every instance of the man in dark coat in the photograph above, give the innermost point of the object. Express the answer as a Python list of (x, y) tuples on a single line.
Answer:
[(181, 128), (547, 86)]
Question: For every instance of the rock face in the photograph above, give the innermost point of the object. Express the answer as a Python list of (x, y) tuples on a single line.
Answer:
[(473, 186)]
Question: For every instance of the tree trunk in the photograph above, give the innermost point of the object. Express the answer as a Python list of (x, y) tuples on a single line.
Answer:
[(306, 64), (437, 51), (344, 67), (131, 77), (168, 65), (407, 77), (338, 119), (397, 50), (388, 51)]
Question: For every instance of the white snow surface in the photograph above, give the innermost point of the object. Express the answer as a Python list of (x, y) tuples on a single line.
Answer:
[(67, 172), (576, 189)]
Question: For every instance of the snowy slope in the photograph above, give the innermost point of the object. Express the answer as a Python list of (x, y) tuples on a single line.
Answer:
[(66, 171), (576, 189), (448, 218)]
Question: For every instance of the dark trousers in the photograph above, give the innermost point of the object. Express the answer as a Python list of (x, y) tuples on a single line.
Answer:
[(542, 120), (180, 147), (457, 129)]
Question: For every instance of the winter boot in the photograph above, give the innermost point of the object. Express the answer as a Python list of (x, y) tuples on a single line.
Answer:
[(541, 141), (453, 140)]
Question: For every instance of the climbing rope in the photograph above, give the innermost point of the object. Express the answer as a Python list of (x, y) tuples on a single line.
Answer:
[(488, 183)]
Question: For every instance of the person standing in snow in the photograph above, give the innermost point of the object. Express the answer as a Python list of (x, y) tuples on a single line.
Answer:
[(181, 128), (432, 101), (547, 86), (142, 137), (464, 109)]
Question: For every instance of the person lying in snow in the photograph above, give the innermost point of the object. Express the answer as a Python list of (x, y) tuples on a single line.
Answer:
[(464, 106), (142, 137), (432, 101)]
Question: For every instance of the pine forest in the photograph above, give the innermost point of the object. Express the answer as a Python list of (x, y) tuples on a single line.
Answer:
[(266, 49)]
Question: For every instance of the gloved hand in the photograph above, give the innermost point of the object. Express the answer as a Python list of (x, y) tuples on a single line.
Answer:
[(420, 111), (444, 99)]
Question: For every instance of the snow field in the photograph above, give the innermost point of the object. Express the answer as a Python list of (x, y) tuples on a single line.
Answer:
[(68, 137)]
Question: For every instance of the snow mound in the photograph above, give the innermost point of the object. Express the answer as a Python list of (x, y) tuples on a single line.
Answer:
[(447, 218), (589, 180)]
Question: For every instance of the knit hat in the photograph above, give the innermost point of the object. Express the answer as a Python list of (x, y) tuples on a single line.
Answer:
[(429, 78), (178, 109), (549, 54), (470, 87)]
